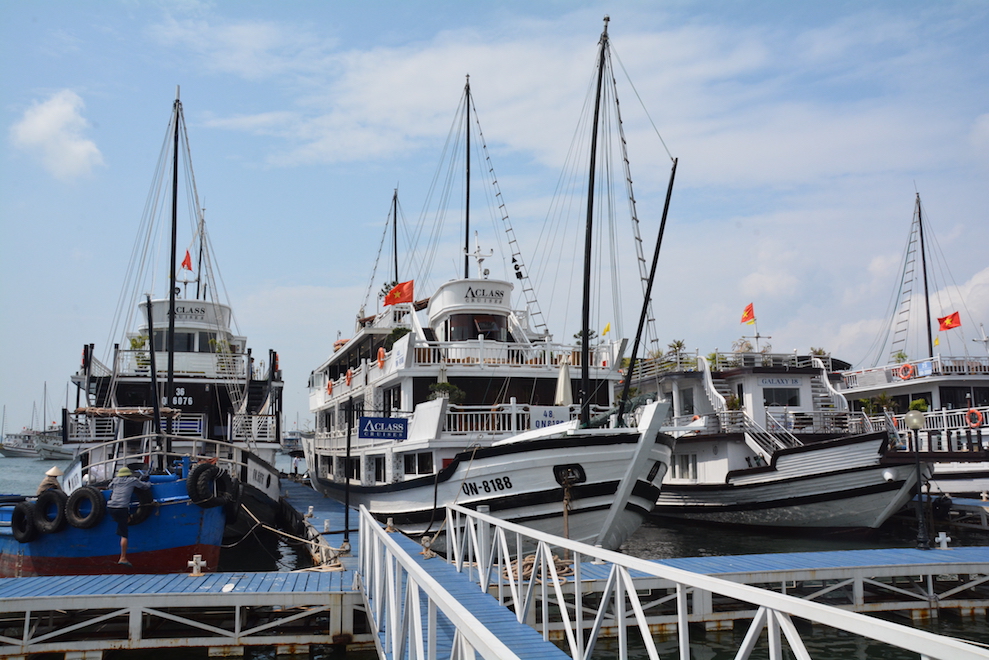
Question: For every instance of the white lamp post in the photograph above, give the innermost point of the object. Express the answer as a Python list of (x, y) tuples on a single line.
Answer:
[(915, 421)]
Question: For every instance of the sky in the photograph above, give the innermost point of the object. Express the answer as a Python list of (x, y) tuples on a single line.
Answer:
[(803, 132)]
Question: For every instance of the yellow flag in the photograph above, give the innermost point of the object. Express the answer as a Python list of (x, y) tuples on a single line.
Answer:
[(607, 329), (937, 340)]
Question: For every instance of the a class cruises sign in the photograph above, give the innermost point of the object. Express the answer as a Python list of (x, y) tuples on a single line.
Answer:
[(471, 295), (383, 428), (191, 312)]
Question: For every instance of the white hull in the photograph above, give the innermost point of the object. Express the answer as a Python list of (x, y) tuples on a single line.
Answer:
[(18, 452), (518, 482), (960, 478), (830, 485), (54, 452)]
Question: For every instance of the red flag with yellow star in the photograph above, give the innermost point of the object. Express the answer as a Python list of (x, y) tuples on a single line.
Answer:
[(748, 316), (402, 293), (953, 320)]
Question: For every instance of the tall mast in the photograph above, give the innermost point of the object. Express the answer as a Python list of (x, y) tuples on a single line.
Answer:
[(170, 339), (585, 344), (394, 231), (923, 270), (467, 201)]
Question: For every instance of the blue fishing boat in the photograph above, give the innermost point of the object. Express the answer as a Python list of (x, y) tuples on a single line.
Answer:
[(181, 515)]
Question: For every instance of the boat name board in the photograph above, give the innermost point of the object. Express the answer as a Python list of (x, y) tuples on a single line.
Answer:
[(779, 382), (543, 416), (474, 294), (387, 428)]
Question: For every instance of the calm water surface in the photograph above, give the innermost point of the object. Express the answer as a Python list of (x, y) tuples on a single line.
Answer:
[(655, 540)]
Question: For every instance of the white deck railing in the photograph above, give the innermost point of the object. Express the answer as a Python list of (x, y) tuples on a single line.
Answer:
[(206, 365), (393, 585), (939, 365), (485, 547)]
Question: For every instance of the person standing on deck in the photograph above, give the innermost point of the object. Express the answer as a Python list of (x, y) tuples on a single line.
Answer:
[(295, 466), (118, 506), (50, 482)]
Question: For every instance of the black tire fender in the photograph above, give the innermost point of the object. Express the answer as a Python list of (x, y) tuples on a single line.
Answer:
[(145, 506), (85, 508), (22, 522), (205, 485), (231, 507), (49, 511)]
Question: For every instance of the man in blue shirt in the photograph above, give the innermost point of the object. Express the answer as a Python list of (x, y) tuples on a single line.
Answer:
[(118, 506)]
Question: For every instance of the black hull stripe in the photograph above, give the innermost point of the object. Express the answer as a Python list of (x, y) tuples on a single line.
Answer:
[(836, 496), (642, 490)]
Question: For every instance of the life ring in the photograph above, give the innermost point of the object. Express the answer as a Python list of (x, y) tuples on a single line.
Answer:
[(49, 511), (85, 507), (976, 422), (381, 357), (350, 376), (22, 523), (145, 506), (329, 387), (907, 371), (209, 486)]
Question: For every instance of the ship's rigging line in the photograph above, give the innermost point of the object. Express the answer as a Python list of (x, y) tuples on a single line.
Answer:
[(151, 246), (945, 295)]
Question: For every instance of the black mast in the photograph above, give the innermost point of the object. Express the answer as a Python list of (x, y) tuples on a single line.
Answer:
[(585, 352), (467, 154), (394, 231), (923, 269), (648, 296), (155, 397), (170, 338)]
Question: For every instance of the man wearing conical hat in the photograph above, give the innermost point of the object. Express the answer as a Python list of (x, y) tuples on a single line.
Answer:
[(50, 482)]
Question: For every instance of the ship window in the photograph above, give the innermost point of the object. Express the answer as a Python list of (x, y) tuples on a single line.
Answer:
[(471, 326), (685, 466), (207, 342), (687, 401), (184, 341), (421, 463), (354, 468), (781, 396), (379, 468), (392, 400), (956, 397)]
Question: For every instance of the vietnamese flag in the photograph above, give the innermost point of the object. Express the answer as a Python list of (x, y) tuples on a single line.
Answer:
[(187, 262), (748, 316), (400, 294), (950, 321)]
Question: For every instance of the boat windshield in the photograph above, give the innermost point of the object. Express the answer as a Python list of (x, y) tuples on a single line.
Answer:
[(472, 326)]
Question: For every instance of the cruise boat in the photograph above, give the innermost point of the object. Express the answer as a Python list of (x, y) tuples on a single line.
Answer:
[(19, 445), (460, 398), (459, 409), (183, 380), (926, 362), (765, 440)]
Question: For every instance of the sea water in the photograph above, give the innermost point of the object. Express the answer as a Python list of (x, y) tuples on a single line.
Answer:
[(657, 539)]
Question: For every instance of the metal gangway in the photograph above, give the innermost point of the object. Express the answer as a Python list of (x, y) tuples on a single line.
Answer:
[(549, 583)]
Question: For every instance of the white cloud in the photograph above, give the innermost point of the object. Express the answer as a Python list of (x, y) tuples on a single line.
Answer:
[(52, 132), (253, 50)]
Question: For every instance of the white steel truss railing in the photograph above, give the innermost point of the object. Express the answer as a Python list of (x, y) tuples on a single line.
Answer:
[(393, 586), (488, 549)]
